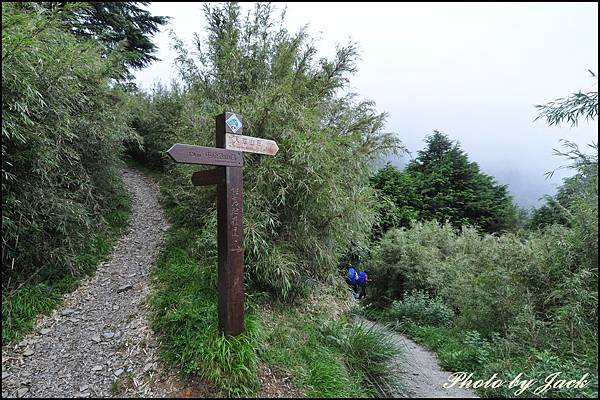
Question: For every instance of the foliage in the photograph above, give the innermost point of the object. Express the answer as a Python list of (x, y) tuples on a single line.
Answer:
[(442, 184), (538, 290), (571, 108), (418, 308), (583, 186), (62, 127), (122, 27), (304, 206)]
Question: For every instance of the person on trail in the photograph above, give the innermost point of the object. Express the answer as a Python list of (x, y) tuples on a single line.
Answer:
[(363, 278), (352, 278)]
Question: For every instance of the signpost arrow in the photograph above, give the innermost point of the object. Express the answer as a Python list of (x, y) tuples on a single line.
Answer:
[(190, 154), (250, 144)]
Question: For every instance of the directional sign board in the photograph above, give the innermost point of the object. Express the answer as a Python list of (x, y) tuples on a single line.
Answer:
[(250, 144), (190, 154)]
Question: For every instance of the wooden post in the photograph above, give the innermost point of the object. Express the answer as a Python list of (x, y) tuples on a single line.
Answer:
[(228, 176), (230, 236)]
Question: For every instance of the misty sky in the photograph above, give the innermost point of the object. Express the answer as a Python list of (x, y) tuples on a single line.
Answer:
[(472, 71)]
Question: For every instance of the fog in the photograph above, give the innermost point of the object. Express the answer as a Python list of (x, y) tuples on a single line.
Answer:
[(473, 71)]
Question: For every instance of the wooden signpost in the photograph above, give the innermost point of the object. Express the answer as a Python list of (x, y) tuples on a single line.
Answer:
[(228, 176)]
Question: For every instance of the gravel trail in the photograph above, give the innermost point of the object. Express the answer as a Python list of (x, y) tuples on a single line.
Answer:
[(99, 344), (419, 374)]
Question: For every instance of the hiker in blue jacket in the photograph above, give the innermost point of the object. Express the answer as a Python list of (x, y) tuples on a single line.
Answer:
[(363, 278), (352, 278)]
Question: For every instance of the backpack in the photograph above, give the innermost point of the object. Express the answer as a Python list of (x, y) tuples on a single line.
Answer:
[(362, 278), (351, 276)]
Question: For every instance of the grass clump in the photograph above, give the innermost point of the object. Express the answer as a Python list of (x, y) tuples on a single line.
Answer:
[(121, 384), (185, 314), (327, 357)]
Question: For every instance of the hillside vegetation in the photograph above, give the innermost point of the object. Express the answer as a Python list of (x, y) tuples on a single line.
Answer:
[(453, 261), (517, 302), (63, 126)]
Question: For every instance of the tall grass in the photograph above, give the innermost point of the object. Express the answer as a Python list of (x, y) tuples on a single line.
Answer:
[(328, 357)]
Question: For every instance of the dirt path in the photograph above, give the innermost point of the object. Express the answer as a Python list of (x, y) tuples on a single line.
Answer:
[(418, 370), (99, 343)]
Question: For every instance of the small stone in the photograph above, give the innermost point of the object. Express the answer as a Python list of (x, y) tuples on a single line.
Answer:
[(108, 335), (96, 338), (45, 331), (5, 375), (28, 352), (148, 367), (97, 368), (21, 392), (66, 311), (83, 388), (115, 307), (118, 372), (23, 343), (124, 288)]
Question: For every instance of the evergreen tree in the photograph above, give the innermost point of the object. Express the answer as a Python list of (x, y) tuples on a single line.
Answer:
[(442, 184), (121, 27)]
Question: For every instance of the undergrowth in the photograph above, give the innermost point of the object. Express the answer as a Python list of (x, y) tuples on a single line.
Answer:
[(430, 323), (44, 292), (325, 354)]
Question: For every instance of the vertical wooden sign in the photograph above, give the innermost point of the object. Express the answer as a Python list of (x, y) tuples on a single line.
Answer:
[(230, 234)]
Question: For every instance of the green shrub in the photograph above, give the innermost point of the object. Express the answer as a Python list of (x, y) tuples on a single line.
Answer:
[(418, 308), (538, 288), (63, 122), (514, 298)]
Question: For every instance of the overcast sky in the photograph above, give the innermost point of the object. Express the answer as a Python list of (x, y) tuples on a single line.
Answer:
[(472, 71)]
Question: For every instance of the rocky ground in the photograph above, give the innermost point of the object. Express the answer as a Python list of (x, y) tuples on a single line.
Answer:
[(99, 343), (418, 372)]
